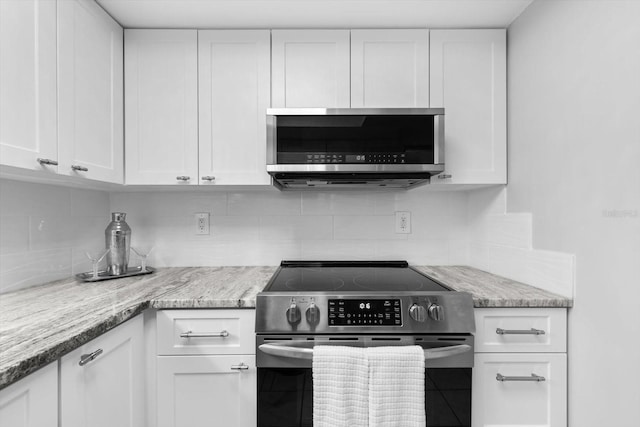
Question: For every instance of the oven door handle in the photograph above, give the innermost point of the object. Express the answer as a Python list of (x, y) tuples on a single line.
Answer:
[(288, 351)]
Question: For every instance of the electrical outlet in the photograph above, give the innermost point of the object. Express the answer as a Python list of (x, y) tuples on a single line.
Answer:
[(403, 222), (202, 223)]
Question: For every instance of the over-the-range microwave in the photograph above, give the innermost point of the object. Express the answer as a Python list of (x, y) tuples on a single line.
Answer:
[(353, 148)]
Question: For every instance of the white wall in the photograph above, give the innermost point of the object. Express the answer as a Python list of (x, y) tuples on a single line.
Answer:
[(267, 226), (574, 155), (45, 230)]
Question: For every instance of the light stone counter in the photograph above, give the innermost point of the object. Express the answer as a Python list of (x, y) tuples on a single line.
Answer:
[(41, 324)]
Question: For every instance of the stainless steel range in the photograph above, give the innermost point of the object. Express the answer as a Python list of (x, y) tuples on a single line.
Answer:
[(309, 303)]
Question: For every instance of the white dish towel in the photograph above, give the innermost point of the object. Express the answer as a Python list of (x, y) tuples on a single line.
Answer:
[(396, 387), (368, 387), (340, 387)]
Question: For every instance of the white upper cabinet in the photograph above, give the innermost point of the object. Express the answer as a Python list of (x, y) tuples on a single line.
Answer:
[(389, 68), (28, 83), (310, 68), (161, 106), (468, 79), (90, 98), (234, 94)]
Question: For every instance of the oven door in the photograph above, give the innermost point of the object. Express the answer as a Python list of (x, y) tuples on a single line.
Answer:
[(285, 384)]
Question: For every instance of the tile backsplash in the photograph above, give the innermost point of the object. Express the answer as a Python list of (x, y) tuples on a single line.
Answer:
[(45, 230), (263, 227)]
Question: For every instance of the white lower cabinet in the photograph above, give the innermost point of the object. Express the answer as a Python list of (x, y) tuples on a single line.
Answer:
[(102, 382), (520, 372), (531, 390), (32, 401), (199, 391), (206, 368)]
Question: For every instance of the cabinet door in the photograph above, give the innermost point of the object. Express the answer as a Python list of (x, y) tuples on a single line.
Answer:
[(519, 403), (108, 390), (90, 98), (199, 391), (310, 68), (161, 106), (234, 94), (32, 401), (28, 83), (389, 68), (468, 79)]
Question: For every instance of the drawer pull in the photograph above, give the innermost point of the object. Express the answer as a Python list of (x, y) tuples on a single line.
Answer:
[(79, 168), (240, 367), (191, 334), (531, 331), (47, 161), (86, 358), (532, 378)]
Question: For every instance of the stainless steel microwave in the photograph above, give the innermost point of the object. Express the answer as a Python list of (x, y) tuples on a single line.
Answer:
[(352, 148)]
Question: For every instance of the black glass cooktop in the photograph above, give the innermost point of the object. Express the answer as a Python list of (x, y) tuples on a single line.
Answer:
[(349, 276)]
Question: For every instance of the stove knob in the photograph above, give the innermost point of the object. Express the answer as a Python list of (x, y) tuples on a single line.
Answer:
[(436, 312), (293, 313), (313, 314), (418, 313)]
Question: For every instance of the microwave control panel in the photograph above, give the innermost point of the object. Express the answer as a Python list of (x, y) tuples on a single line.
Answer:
[(329, 158), (369, 312)]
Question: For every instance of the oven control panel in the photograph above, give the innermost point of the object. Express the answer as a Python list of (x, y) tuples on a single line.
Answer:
[(365, 312)]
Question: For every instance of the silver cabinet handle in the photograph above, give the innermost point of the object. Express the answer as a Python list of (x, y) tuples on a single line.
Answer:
[(444, 176), (183, 178), (532, 378), (208, 178), (47, 162), (240, 367), (79, 168), (531, 331), (86, 358), (191, 334)]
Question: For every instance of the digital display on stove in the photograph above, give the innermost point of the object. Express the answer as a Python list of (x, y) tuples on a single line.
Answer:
[(365, 312)]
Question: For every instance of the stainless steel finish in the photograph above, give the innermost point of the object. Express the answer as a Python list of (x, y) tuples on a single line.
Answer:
[(272, 306), (532, 378), (191, 334), (241, 367), (436, 312), (118, 241), (183, 178), (86, 358), (438, 137), (418, 313), (353, 111), (105, 275), (531, 331), (444, 176), (47, 161), (296, 351), (79, 168), (208, 178), (349, 168), (313, 313), (293, 313), (300, 352), (347, 183)]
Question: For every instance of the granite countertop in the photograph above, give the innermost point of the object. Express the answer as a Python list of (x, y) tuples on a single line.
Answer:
[(41, 324)]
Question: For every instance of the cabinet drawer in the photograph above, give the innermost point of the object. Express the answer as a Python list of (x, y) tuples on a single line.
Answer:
[(217, 331), (521, 330), (518, 398)]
